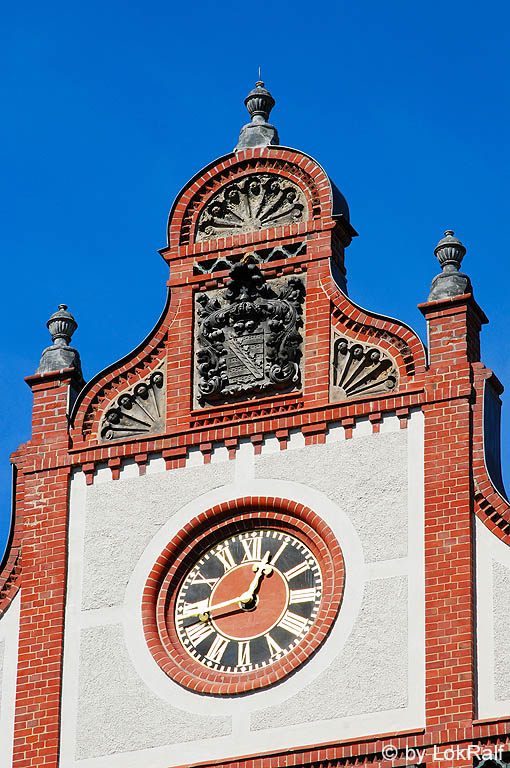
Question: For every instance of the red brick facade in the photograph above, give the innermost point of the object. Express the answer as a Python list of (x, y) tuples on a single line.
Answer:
[(448, 387)]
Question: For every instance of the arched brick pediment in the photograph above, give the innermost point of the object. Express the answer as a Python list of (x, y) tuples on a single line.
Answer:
[(254, 190)]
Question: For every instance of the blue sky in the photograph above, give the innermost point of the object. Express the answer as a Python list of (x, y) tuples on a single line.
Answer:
[(109, 108)]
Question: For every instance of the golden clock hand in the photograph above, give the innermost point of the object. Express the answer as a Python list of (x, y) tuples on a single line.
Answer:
[(246, 597), (260, 569), (205, 612)]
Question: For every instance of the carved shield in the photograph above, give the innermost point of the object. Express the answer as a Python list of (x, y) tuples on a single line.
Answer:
[(245, 358), (247, 336)]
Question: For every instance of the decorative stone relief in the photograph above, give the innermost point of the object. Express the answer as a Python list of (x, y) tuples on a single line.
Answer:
[(247, 338), (257, 201), (359, 369), (260, 256), (138, 410)]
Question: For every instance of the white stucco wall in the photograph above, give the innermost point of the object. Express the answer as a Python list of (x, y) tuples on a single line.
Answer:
[(375, 651), (120, 709), (366, 477), (493, 623), (2, 651), (121, 696), (9, 632), (501, 580), (123, 516)]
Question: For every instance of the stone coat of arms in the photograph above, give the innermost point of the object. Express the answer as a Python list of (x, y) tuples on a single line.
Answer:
[(247, 336)]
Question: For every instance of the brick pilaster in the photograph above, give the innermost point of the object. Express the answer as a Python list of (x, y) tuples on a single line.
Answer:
[(318, 323), (44, 563), (453, 333)]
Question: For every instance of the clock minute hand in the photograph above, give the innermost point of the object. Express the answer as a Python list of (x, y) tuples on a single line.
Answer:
[(261, 569), (206, 611)]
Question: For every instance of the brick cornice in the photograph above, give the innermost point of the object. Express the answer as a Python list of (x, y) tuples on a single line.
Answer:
[(265, 423), (368, 750), (268, 423), (441, 307)]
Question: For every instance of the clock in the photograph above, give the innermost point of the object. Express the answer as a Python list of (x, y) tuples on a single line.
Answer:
[(248, 601), (243, 595)]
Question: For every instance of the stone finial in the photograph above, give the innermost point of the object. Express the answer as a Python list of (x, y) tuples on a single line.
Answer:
[(61, 326), (449, 252), (259, 103), (450, 282), (258, 133)]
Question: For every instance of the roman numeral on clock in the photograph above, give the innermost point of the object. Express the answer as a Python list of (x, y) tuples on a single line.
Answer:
[(273, 645), (217, 649), (226, 558), (296, 570), (278, 553), (252, 548), (198, 632), (199, 579), (243, 653), (293, 623), (193, 609), (302, 595)]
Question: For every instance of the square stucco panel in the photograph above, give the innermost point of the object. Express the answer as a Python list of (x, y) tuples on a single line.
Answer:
[(370, 674), (122, 516), (365, 477), (501, 581), (118, 713)]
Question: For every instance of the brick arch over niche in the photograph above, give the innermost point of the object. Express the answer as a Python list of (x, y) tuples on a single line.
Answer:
[(394, 339), (299, 174)]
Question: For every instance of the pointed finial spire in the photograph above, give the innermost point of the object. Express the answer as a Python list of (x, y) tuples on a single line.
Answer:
[(450, 282), (61, 326), (258, 133)]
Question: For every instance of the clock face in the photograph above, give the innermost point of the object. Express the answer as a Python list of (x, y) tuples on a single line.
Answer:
[(248, 601), (242, 595)]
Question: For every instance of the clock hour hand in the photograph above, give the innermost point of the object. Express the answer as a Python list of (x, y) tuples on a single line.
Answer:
[(260, 568)]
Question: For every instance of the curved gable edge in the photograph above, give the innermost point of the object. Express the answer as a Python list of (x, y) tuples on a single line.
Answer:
[(491, 504), (90, 392), (492, 434), (407, 344), (338, 208), (10, 565)]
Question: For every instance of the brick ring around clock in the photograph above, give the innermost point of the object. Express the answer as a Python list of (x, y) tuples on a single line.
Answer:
[(243, 595)]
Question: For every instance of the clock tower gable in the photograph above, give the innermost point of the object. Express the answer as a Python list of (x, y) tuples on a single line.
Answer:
[(252, 537)]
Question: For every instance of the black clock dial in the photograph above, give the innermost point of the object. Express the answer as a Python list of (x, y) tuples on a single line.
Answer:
[(248, 601)]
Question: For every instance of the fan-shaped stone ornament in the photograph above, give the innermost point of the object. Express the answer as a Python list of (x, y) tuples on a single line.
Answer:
[(360, 369), (138, 410), (257, 201)]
